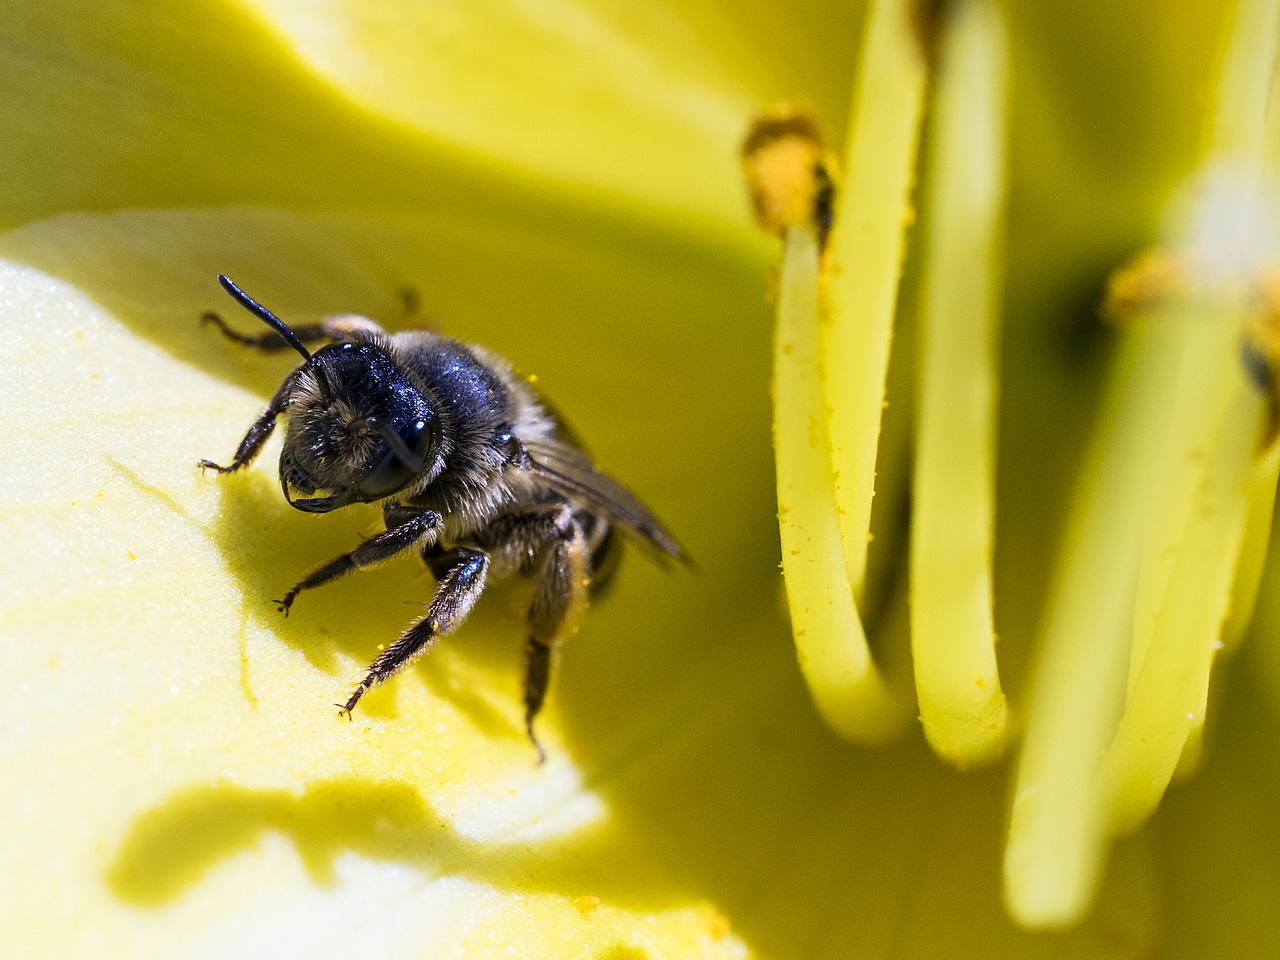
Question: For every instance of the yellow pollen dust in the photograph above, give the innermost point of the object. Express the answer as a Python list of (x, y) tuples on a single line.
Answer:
[(1156, 278), (1262, 330), (1151, 279), (788, 172)]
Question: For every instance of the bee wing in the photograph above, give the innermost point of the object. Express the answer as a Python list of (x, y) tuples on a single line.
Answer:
[(571, 472)]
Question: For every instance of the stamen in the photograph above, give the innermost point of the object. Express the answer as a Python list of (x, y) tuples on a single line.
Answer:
[(1057, 827), (962, 705), (1169, 673), (789, 175), (1260, 491), (867, 244), (830, 640), (1157, 551)]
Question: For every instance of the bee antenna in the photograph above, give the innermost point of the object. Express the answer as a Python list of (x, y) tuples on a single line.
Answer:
[(265, 315)]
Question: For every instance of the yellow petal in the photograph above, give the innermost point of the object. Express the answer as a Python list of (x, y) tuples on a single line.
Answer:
[(179, 734), (571, 91)]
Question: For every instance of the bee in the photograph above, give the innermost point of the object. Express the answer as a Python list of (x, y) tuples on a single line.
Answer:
[(472, 469)]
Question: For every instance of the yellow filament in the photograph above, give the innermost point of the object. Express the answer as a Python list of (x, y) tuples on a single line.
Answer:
[(1057, 823), (1260, 489), (1176, 477), (832, 646), (1261, 15), (962, 705), (1156, 551), (1167, 698), (1213, 494), (872, 213)]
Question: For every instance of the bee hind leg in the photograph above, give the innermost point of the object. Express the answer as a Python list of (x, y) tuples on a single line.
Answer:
[(559, 600), (338, 326), (456, 593)]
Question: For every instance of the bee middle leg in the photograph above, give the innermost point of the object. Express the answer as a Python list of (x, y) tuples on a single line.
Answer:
[(412, 532), (456, 593)]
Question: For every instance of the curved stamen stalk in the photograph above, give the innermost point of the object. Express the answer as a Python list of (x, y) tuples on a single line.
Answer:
[(867, 244), (831, 643), (1168, 686), (1056, 829), (962, 705), (1157, 551)]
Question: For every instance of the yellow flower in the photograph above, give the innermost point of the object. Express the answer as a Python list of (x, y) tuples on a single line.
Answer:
[(1170, 515), (558, 182)]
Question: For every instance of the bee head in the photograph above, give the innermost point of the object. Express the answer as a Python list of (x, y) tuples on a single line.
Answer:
[(358, 431)]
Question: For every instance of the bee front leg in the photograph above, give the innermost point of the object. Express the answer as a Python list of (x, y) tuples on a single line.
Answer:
[(415, 532), (258, 433), (559, 600), (456, 593)]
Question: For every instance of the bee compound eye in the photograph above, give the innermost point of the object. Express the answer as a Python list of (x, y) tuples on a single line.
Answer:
[(388, 475), (404, 455)]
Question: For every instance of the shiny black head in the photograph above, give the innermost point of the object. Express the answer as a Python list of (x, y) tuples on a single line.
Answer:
[(358, 429)]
